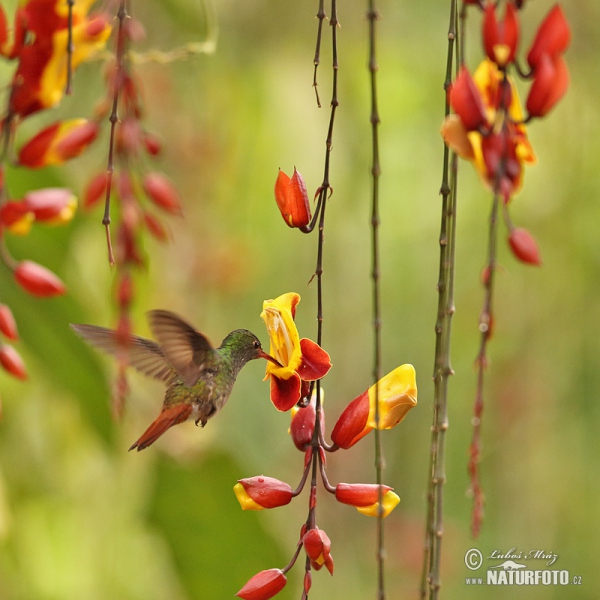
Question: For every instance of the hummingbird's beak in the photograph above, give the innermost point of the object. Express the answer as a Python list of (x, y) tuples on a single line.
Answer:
[(263, 354)]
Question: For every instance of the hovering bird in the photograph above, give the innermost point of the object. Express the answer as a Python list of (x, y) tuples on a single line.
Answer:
[(199, 378)]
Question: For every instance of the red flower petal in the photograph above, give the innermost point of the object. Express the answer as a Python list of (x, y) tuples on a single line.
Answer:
[(303, 426), (285, 392), (11, 212), (38, 280), (524, 246), (352, 424), (263, 585), (466, 101), (552, 37), (315, 361)]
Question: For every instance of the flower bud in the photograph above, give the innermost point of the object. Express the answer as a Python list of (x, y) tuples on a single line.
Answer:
[(550, 83), (12, 362), (389, 501), (552, 37), (162, 192), (292, 199), (359, 494), (256, 493), (16, 217), (302, 425), (263, 585), (352, 423), (52, 205), (524, 246), (58, 143), (317, 546), (38, 280), (8, 325), (500, 38), (95, 190)]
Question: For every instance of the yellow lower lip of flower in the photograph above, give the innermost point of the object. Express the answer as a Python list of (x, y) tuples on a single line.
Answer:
[(397, 395), (23, 225), (244, 499), (390, 501)]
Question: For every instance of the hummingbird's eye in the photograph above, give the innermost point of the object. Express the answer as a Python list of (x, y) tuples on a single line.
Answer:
[(257, 344)]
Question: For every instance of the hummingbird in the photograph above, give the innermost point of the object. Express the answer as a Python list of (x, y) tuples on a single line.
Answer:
[(199, 378)]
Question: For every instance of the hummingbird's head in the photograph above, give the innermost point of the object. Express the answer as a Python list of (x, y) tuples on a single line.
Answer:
[(245, 346)]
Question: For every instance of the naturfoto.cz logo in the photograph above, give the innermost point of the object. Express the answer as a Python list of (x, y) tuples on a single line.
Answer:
[(514, 572)]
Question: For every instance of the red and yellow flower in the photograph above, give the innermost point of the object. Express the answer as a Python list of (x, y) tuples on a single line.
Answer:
[(365, 498), (40, 45), (397, 392), (497, 145), (300, 359)]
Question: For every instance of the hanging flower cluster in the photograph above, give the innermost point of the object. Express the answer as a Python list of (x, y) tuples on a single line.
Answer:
[(39, 47), (489, 127), (140, 192), (304, 362)]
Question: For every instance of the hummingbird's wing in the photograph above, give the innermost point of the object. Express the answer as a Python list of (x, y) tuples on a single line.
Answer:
[(186, 349), (172, 415), (142, 354)]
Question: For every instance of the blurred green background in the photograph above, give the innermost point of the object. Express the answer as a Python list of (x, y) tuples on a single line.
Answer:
[(81, 518)]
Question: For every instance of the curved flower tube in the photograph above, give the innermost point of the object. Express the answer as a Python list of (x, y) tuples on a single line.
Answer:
[(300, 359)]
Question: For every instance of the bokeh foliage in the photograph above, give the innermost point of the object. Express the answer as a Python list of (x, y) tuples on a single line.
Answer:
[(82, 518)]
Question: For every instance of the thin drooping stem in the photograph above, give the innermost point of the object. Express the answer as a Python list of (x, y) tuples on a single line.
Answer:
[(485, 329), (114, 119), (372, 17), (70, 47), (434, 525), (320, 15)]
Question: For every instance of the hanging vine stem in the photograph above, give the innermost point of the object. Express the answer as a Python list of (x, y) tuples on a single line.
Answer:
[(70, 47), (372, 17), (114, 119), (434, 525)]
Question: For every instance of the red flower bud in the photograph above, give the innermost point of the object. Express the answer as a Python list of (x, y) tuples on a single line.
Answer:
[(263, 585), (152, 144), (266, 492), (303, 424), (550, 82), (8, 325), (317, 546), (466, 101), (155, 227), (552, 37), (38, 280), (352, 423), (359, 494), (50, 203), (292, 199), (523, 246), (12, 362), (95, 189), (500, 39), (12, 212), (162, 192)]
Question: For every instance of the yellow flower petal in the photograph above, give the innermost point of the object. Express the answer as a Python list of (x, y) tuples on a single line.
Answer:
[(244, 499), (389, 501), (397, 395)]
